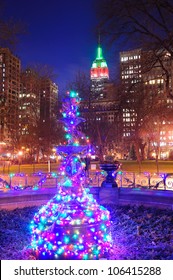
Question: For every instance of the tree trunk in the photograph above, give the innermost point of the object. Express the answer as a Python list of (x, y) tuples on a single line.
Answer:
[(157, 163), (148, 149), (138, 155)]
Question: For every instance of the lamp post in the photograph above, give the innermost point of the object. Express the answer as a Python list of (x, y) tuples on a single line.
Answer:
[(20, 154)]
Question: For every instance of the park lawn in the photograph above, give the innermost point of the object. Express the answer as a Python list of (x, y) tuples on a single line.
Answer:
[(126, 165), (147, 166), (28, 168)]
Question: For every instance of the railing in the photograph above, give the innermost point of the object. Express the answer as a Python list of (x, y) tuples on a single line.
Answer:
[(163, 181), (148, 180)]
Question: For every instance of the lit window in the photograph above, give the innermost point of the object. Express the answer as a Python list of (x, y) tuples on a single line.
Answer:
[(125, 58), (103, 64)]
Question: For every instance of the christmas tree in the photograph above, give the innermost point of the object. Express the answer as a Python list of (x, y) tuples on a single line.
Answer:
[(72, 225)]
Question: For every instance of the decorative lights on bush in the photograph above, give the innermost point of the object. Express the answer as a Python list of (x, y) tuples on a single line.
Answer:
[(72, 225)]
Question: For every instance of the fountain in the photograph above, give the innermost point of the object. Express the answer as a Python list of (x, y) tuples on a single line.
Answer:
[(72, 225), (110, 168)]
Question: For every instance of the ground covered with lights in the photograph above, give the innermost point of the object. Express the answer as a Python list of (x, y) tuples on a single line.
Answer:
[(137, 233)]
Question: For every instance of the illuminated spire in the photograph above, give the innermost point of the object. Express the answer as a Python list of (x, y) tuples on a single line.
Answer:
[(99, 67), (99, 53), (99, 74), (99, 49)]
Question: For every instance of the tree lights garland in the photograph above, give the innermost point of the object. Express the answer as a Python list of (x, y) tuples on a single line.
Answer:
[(72, 225)]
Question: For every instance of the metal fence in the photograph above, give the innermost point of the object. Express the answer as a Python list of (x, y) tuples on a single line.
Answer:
[(163, 181)]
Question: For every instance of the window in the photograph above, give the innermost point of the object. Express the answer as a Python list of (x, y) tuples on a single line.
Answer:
[(125, 58)]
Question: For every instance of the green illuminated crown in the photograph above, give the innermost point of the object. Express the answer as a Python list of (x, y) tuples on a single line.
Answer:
[(99, 61)]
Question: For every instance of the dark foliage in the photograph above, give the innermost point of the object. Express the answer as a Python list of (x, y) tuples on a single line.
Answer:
[(138, 233)]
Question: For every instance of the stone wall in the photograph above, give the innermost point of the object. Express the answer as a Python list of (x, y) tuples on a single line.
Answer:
[(116, 196), (146, 197)]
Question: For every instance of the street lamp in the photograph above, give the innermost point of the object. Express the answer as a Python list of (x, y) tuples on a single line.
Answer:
[(20, 153)]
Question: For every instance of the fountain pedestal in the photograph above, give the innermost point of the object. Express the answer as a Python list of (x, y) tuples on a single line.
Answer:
[(110, 182)]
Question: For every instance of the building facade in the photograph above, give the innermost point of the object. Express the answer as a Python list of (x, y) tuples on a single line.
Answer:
[(99, 76), (143, 82), (38, 99), (101, 125), (101, 109), (10, 67), (48, 104), (131, 79)]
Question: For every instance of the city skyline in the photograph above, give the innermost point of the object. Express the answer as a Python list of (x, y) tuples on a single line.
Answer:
[(60, 34)]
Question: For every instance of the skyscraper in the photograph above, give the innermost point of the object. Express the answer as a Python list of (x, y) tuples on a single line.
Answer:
[(131, 78), (143, 79), (38, 99), (100, 110), (48, 101), (9, 94), (99, 75), (29, 102)]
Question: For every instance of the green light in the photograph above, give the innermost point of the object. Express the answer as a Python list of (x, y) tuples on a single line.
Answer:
[(99, 53), (103, 64), (103, 227), (41, 227), (73, 94), (85, 257), (96, 252), (75, 236), (49, 246), (60, 251), (106, 237), (58, 197), (66, 239), (43, 219), (54, 175), (67, 183), (89, 213), (67, 136), (104, 217)]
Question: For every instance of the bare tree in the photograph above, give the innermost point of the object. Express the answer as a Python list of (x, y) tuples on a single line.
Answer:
[(9, 32), (42, 71), (81, 84), (10, 29), (146, 23), (143, 105), (40, 134)]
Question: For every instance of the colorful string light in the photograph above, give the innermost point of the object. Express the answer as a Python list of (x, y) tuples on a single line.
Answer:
[(72, 225)]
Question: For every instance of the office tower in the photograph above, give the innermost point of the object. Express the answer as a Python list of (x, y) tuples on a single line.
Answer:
[(131, 78), (9, 94), (101, 109), (99, 76), (38, 100), (29, 103), (143, 77), (48, 104)]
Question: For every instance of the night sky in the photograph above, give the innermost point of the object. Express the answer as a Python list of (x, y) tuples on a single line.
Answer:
[(59, 33)]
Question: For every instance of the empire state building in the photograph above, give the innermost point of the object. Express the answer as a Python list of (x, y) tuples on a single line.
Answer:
[(99, 75)]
